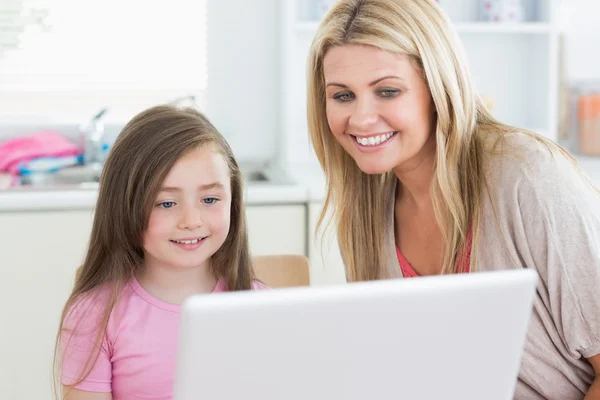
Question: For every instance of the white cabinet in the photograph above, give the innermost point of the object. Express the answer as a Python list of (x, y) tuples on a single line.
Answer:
[(38, 257), (39, 253), (277, 229), (326, 265)]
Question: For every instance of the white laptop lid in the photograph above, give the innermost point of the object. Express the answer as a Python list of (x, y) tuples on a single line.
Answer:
[(444, 337)]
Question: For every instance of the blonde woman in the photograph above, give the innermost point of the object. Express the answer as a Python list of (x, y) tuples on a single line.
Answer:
[(422, 180)]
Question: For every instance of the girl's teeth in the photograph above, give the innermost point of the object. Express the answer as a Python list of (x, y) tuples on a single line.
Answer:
[(194, 241), (374, 140)]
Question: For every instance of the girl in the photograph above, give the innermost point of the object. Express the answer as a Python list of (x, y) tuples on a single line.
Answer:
[(422, 180), (169, 223)]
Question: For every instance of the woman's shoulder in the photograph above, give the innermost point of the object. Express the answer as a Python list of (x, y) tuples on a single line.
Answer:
[(517, 146), (524, 158), (522, 169)]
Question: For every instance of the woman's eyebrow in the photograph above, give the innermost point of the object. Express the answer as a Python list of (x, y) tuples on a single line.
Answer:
[(375, 82)]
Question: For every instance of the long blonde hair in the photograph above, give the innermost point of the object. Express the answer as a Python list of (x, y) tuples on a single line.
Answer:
[(143, 154), (420, 30)]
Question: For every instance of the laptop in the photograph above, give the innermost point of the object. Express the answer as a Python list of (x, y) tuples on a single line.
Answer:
[(443, 337)]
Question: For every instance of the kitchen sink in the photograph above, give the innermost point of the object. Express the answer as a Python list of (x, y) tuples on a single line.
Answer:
[(87, 177), (78, 175)]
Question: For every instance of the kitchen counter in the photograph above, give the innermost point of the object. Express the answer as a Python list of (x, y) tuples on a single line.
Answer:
[(39, 199)]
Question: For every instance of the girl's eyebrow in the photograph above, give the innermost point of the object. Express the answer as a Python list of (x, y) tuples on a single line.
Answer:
[(214, 185), (169, 189), (208, 186)]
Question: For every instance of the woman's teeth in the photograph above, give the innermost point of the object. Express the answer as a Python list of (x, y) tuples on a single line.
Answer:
[(374, 140), (193, 241)]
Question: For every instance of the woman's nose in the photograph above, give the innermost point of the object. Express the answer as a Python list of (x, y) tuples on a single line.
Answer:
[(363, 116)]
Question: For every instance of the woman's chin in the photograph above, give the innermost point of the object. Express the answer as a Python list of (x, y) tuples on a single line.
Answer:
[(373, 168)]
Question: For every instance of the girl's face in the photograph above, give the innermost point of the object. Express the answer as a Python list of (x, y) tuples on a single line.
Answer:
[(190, 218), (379, 108)]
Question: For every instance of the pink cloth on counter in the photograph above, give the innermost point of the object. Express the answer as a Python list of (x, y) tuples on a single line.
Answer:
[(15, 151)]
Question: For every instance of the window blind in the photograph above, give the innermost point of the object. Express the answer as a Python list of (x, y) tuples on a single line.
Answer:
[(68, 50)]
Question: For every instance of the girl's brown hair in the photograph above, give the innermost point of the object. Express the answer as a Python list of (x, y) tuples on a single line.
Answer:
[(140, 159)]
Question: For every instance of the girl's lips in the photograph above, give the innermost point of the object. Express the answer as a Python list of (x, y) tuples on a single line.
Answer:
[(374, 147)]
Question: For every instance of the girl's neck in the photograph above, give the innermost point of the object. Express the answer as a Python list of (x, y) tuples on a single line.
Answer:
[(175, 285)]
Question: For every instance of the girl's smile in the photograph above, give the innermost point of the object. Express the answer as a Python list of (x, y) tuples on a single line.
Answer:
[(189, 244)]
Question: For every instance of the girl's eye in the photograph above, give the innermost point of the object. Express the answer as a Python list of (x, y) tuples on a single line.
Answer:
[(343, 97), (210, 200), (166, 204), (388, 92)]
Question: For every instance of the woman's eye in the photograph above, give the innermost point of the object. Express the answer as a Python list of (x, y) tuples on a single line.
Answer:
[(166, 204), (343, 97), (388, 92), (210, 200)]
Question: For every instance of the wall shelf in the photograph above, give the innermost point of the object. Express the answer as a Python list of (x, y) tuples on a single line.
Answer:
[(465, 27), (508, 28)]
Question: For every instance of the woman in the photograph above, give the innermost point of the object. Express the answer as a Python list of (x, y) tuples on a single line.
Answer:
[(422, 180)]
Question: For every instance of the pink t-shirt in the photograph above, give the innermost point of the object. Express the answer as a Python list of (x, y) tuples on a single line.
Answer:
[(138, 353)]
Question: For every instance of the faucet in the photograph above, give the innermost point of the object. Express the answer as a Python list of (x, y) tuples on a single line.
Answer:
[(94, 143), (188, 101)]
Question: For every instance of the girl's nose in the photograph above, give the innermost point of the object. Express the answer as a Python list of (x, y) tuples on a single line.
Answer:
[(191, 218)]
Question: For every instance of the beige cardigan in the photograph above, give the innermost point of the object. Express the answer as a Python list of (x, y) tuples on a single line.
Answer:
[(540, 213)]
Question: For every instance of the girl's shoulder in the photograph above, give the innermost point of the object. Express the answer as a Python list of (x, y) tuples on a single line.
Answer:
[(258, 285), (88, 305), (89, 308)]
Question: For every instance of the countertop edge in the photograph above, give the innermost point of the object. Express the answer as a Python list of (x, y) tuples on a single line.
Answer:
[(85, 199)]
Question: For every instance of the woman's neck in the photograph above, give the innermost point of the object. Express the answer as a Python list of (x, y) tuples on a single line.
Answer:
[(416, 176), (173, 285)]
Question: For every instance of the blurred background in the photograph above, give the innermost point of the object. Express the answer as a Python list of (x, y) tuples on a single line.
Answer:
[(535, 62)]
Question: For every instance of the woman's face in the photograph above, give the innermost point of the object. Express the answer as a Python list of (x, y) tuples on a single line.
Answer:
[(378, 107)]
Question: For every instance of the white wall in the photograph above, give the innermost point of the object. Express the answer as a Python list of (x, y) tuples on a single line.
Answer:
[(243, 74), (579, 19)]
